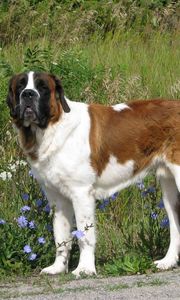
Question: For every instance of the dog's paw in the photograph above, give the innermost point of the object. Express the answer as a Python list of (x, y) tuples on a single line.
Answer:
[(55, 269), (80, 272), (166, 263)]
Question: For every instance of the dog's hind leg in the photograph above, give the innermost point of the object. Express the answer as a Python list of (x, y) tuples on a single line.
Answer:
[(84, 208), (170, 191)]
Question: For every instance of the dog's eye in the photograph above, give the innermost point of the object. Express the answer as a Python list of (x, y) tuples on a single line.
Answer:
[(41, 85), (21, 84)]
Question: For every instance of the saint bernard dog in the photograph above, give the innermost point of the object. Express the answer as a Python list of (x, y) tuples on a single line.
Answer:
[(82, 152)]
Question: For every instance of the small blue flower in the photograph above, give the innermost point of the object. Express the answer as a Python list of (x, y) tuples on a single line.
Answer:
[(31, 173), (47, 209), (22, 221), (39, 202), (41, 240), (114, 196), (49, 227), (32, 256), (144, 194), (32, 225), (164, 223), (149, 190), (105, 203), (78, 234), (25, 197), (25, 208), (27, 249), (154, 215), (140, 185), (2, 222), (161, 204), (102, 206)]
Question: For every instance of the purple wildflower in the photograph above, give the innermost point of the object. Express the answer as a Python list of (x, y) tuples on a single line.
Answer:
[(144, 194), (32, 256), (149, 190), (102, 206), (25, 208), (22, 221), (105, 203), (140, 185), (25, 197), (78, 234), (2, 222), (31, 174), (27, 249), (47, 209), (164, 223), (161, 204), (114, 196), (49, 227), (154, 215), (41, 240), (32, 225), (39, 202)]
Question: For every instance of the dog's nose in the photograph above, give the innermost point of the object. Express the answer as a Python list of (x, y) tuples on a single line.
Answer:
[(28, 94)]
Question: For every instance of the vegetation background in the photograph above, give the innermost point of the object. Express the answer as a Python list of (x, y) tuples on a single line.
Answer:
[(106, 52)]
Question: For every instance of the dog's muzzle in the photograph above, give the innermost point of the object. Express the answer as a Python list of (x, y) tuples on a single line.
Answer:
[(28, 104)]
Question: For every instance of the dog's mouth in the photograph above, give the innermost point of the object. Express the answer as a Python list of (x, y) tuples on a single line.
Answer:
[(29, 115)]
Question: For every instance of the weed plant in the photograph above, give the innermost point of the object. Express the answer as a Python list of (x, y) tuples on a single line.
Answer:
[(99, 58)]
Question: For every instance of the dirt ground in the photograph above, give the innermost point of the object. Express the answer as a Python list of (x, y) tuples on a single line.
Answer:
[(162, 285)]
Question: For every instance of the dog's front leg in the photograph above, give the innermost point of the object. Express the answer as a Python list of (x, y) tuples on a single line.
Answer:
[(62, 225), (84, 208)]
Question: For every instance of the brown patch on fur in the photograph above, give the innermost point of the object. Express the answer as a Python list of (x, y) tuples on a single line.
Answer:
[(145, 130), (13, 87), (99, 147), (55, 106), (27, 139)]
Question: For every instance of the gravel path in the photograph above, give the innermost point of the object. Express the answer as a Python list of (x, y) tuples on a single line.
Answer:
[(162, 285)]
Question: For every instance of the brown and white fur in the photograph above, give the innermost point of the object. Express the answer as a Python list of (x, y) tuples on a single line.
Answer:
[(82, 152)]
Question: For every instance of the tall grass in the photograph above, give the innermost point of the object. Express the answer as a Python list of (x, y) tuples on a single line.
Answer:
[(139, 68)]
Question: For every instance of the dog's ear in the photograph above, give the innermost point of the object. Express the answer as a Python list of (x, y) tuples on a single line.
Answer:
[(10, 99), (60, 93)]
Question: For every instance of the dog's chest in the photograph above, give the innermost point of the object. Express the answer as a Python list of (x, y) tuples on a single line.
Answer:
[(62, 167)]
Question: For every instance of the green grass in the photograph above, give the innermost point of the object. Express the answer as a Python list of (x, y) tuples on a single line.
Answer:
[(101, 61), (117, 287), (136, 68), (155, 282)]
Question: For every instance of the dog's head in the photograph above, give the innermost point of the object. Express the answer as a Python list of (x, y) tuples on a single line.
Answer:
[(36, 98)]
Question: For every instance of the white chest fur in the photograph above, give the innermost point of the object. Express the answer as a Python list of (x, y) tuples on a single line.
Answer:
[(64, 152)]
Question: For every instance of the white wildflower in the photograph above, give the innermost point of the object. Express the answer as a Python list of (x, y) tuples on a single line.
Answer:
[(19, 163), (12, 167), (5, 175), (22, 163)]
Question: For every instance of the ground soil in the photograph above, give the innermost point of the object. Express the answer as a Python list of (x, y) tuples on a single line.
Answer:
[(162, 285)]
